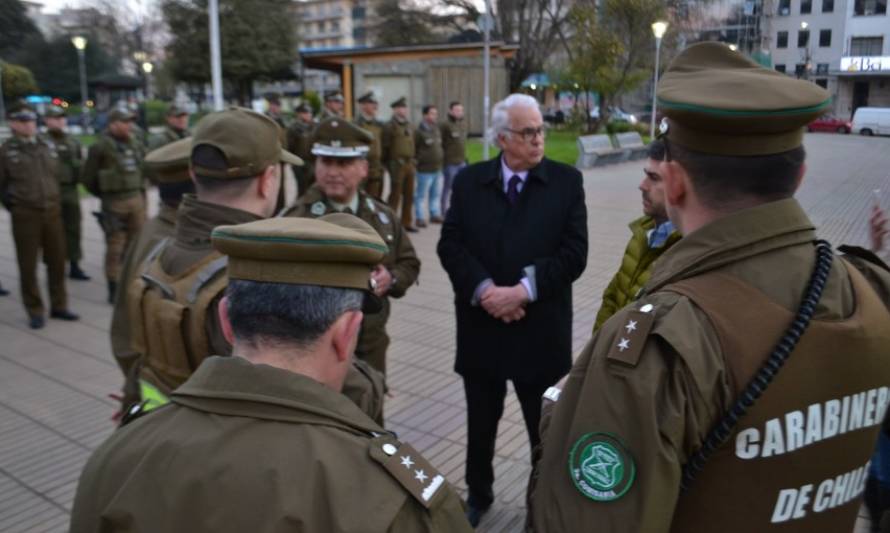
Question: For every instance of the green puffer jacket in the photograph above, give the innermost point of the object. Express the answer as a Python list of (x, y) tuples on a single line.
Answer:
[(636, 267)]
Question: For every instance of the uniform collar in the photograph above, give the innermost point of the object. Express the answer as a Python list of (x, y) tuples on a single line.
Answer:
[(733, 238), (233, 386), (195, 219)]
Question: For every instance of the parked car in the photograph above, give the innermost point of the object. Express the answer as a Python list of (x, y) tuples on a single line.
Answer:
[(616, 115), (872, 121), (830, 123), (554, 116)]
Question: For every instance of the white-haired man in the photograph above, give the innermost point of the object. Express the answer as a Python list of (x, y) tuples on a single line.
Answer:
[(513, 241)]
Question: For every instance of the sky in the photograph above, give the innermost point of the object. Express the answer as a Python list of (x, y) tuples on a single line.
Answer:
[(53, 6)]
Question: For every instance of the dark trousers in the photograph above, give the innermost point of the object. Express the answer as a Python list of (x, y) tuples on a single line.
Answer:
[(38, 232), (485, 406)]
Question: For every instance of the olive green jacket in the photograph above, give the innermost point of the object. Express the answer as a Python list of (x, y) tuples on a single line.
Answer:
[(454, 140), (428, 148), (247, 447), (299, 139), (70, 157), (114, 167), (28, 171), (664, 401), (398, 141), (636, 267), (168, 136), (375, 151)]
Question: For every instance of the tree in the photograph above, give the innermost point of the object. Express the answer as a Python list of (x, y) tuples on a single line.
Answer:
[(55, 64), (257, 41), (18, 81), (15, 27), (538, 27), (409, 22)]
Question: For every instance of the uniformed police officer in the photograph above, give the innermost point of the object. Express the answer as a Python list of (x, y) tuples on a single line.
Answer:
[(176, 128), (341, 149), (262, 441), (633, 442), (398, 156), (299, 142), (30, 191), (174, 292), (333, 105), (169, 166), (274, 111), (113, 172), (367, 120), (70, 161)]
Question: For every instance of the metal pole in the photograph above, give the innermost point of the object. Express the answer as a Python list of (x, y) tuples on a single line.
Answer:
[(486, 72), (82, 67), (655, 88), (215, 57)]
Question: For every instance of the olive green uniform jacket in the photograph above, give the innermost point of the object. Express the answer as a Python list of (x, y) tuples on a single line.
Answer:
[(255, 448), (401, 260), (299, 142), (167, 136), (28, 174), (664, 405), (428, 148), (113, 168), (375, 150), (636, 267), (70, 162), (454, 140)]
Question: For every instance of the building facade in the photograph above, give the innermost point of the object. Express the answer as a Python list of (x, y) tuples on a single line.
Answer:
[(864, 70)]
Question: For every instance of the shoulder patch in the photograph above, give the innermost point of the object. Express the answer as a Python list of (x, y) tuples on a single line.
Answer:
[(631, 336), (409, 468), (601, 468)]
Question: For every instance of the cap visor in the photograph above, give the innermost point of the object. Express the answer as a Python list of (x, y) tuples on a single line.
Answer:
[(287, 157), (171, 153)]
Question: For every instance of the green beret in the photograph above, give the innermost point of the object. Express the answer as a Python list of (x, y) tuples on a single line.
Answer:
[(170, 163), (176, 111), (368, 98), (54, 111), (335, 96), (120, 115), (21, 111), (250, 142), (718, 101), (336, 137), (401, 102), (336, 250)]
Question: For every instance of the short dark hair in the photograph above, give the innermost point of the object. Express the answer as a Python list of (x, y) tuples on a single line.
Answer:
[(282, 313), (211, 157), (452, 104), (722, 181), (426, 108), (656, 150)]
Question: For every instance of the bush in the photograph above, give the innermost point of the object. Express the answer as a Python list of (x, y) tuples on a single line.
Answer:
[(154, 112), (313, 99)]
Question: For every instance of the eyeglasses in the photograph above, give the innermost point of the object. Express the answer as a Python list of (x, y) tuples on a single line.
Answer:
[(528, 134)]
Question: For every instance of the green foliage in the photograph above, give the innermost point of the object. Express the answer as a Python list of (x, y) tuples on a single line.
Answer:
[(15, 27), (313, 99), (561, 145), (17, 81), (154, 112), (256, 37)]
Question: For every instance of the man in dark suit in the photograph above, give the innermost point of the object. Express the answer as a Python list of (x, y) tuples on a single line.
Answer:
[(514, 240)]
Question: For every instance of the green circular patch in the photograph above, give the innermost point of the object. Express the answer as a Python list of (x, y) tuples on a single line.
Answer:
[(601, 467)]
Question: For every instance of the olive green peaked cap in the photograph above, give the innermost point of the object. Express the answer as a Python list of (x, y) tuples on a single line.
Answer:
[(121, 115), (54, 111), (336, 250), (401, 102), (170, 163), (368, 98), (336, 137), (21, 111), (718, 101), (250, 141)]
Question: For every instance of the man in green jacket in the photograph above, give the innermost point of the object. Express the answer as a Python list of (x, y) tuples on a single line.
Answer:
[(430, 157), (177, 119), (652, 233), (263, 441)]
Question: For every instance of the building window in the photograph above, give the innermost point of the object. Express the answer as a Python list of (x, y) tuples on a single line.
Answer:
[(824, 38), (359, 34), (359, 13), (865, 8), (335, 25), (784, 7), (806, 6), (321, 26), (782, 39), (822, 68), (822, 82), (866, 46), (803, 38), (780, 68), (828, 6)]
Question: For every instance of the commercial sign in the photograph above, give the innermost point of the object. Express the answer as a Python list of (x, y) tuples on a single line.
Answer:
[(865, 64)]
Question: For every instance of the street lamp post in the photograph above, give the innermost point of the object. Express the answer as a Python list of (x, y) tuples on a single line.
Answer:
[(658, 29), (80, 43), (807, 59), (147, 67), (486, 73)]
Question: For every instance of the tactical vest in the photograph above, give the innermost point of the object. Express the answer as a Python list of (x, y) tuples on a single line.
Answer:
[(120, 172), (167, 316), (68, 156), (798, 460)]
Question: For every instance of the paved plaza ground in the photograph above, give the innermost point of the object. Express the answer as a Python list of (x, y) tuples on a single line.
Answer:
[(54, 383)]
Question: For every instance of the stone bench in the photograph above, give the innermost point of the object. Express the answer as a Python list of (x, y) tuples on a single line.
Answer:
[(632, 144), (597, 150)]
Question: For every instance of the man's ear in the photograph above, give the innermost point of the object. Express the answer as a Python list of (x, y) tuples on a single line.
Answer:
[(224, 321), (344, 334), (676, 182), (266, 183)]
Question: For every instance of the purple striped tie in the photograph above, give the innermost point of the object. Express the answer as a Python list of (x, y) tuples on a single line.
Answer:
[(513, 189)]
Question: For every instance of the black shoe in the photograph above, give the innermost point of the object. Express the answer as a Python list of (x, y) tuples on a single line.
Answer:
[(112, 288), (36, 322), (63, 314), (474, 515), (411, 229), (76, 273), (4, 292)]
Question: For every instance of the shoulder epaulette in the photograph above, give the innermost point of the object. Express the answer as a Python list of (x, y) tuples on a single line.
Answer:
[(409, 469)]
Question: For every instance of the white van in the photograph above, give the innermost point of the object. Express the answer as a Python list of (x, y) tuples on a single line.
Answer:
[(872, 121)]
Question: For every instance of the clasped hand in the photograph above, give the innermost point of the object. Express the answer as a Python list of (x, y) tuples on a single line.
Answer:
[(505, 303)]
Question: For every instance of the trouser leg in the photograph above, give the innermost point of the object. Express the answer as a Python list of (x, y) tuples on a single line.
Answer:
[(71, 221), (420, 192), (53, 238), (529, 395), (395, 186), (371, 348), (408, 183), (27, 235), (485, 406), (434, 194)]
